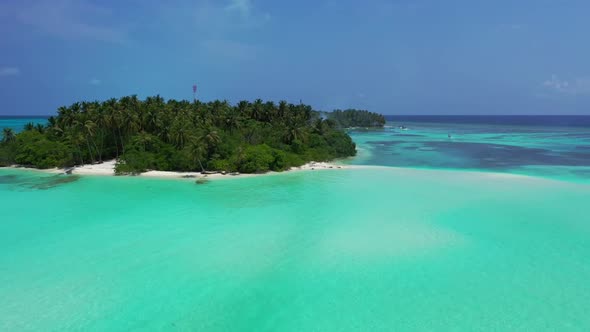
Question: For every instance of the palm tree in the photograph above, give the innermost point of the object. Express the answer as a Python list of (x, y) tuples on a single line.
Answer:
[(40, 128), (78, 129), (268, 111), (294, 133), (53, 126), (90, 128), (65, 117), (232, 121), (51, 121), (210, 137), (257, 109), (131, 122), (8, 135), (163, 131), (320, 126), (112, 121), (29, 126), (75, 109), (74, 138), (217, 106), (144, 139), (283, 108), (243, 107), (102, 123), (149, 119), (197, 150), (179, 132)]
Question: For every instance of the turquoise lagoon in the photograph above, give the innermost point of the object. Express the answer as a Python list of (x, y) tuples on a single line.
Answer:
[(18, 123), (424, 247)]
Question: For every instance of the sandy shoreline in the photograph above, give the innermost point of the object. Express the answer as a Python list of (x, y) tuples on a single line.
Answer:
[(107, 168)]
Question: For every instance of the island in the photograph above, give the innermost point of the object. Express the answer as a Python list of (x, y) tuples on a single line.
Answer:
[(351, 118), (183, 136)]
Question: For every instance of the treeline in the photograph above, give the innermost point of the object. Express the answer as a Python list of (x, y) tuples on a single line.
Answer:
[(154, 134), (356, 118)]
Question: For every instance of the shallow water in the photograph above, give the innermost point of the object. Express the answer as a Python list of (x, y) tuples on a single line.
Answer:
[(375, 249), (328, 250)]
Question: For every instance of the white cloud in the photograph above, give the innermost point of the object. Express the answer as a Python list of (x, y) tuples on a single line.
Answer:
[(243, 7), (220, 30), (9, 71), (578, 86), (67, 19), (233, 18), (95, 81), (246, 10), (95, 21), (555, 83)]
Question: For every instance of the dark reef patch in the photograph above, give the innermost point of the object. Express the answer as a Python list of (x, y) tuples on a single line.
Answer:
[(8, 179), (49, 182), (476, 155), (486, 155)]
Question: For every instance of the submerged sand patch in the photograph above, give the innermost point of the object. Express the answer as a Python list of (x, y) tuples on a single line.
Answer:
[(384, 240)]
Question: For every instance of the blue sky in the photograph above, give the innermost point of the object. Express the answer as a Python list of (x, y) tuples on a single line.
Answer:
[(393, 57)]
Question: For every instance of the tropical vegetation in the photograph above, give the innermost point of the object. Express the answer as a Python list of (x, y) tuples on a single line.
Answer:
[(356, 118), (154, 134)]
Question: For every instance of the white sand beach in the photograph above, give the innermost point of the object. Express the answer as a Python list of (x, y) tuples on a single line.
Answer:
[(107, 168)]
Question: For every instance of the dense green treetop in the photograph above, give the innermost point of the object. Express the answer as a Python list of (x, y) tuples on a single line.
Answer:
[(356, 118), (154, 134)]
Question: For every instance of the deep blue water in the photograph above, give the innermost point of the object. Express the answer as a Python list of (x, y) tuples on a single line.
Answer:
[(516, 120)]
